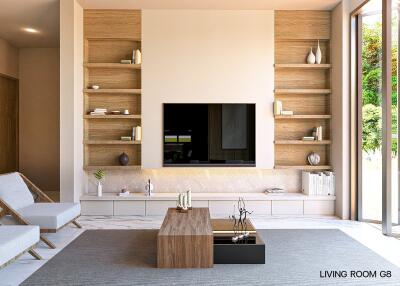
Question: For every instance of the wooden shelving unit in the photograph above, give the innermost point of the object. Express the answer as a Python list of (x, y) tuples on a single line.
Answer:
[(302, 142), (303, 88), (111, 142), (130, 116), (302, 66), (289, 91), (109, 37), (114, 90), (305, 167), (112, 66), (322, 116), (111, 168)]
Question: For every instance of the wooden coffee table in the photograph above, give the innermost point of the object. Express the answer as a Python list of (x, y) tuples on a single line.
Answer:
[(185, 240)]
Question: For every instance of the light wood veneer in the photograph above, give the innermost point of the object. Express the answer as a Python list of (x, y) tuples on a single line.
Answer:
[(303, 88), (185, 240), (109, 37)]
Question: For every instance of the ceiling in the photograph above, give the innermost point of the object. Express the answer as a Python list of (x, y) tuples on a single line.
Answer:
[(211, 4), (42, 15)]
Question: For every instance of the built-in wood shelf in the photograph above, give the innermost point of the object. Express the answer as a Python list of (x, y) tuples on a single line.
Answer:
[(302, 142), (304, 167), (106, 42), (131, 116), (112, 66), (111, 168), (113, 39), (113, 90), (304, 116), (301, 39), (303, 88), (302, 66), (111, 142), (302, 91)]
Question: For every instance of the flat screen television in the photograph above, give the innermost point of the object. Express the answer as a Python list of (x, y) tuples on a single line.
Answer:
[(209, 134)]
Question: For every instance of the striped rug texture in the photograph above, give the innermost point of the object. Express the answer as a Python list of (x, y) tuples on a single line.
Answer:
[(293, 257)]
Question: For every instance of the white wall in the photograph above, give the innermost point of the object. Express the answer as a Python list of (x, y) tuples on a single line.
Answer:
[(71, 100), (193, 56), (341, 103), (39, 141), (8, 59)]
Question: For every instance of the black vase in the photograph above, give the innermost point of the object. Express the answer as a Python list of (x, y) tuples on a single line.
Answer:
[(123, 159)]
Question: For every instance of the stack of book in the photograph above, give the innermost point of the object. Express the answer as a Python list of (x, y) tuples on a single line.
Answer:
[(126, 138), (99, 111), (278, 109), (317, 133), (318, 183), (287, 112), (126, 62), (137, 133), (308, 138)]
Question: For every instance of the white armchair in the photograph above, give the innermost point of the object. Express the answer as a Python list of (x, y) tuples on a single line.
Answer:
[(16, 199), (15, 240)]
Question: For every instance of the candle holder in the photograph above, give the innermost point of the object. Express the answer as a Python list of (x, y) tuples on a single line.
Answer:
[(189, 199)]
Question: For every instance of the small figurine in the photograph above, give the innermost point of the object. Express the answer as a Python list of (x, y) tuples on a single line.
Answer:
[(149, 188), (240, 224)]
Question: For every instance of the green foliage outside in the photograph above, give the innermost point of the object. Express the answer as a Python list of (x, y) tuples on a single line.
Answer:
[(372, 89)]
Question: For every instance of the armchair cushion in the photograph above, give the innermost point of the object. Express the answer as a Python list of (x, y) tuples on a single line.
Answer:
[(14, 191), (15, 239), (50, 215)]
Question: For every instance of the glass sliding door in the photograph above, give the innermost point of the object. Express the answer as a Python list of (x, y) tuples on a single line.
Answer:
[(395, 112), (370, 112), (375, 33)]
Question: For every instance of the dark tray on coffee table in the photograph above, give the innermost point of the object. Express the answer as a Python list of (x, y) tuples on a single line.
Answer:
[(246, 251)]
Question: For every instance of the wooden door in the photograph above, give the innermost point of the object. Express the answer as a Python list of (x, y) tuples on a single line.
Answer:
[(8, 124)]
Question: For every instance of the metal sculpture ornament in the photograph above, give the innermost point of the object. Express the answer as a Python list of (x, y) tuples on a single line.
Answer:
[(240, 222)]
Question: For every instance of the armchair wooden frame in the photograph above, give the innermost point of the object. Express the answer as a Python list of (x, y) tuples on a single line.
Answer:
[(6, 209), (30, 250)]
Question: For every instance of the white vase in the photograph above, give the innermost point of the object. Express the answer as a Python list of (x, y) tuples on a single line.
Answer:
[(311, 57), (149, 188), (318, 55), (99, 189), (313, 159)]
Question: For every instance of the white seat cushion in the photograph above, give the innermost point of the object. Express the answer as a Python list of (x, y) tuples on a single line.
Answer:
[(15, 239), (50, 215), (14, 191)]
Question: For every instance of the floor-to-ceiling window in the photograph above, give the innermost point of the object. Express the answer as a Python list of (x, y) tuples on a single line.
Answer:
[(376, 30), (370, 113)]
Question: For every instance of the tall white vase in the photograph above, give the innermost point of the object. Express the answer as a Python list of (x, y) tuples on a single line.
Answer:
[(311, 57), (318, 55), (99, 189)]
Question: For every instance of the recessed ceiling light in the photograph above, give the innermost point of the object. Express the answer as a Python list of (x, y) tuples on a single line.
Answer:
[(31, 30)]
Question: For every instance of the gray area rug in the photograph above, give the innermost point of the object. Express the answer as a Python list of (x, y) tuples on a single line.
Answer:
[(293, 257)]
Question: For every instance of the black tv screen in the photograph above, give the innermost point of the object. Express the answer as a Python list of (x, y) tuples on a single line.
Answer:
[(209, 134)]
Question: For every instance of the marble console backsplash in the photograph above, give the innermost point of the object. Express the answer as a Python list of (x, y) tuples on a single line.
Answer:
[(199, 180)]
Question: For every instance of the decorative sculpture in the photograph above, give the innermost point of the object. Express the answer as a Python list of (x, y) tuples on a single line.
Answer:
[(240, 223)]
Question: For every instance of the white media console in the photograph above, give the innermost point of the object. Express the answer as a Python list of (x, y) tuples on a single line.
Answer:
[(220, 204)]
